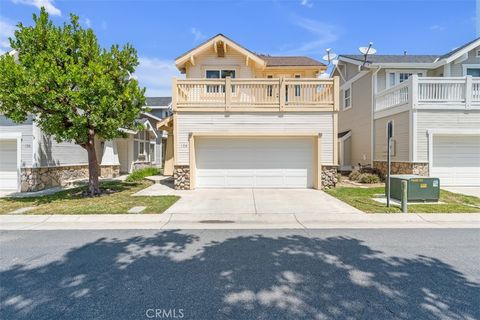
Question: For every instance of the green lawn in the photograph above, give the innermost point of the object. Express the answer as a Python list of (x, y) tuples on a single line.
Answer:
[(361, 198), (72, 201)]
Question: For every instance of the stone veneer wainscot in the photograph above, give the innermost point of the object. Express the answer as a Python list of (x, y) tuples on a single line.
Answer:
[(418, 168), (36, 179)]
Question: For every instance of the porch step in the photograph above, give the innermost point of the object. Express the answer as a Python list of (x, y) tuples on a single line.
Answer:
[(158, 179)]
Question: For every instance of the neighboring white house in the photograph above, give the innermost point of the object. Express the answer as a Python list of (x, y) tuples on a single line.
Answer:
[(244, 120), (434, 103), (31, 160)]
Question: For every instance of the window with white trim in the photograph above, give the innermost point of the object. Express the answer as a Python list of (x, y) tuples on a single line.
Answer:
[(399, 76), (478, 53), (347, 98), (142, 142)]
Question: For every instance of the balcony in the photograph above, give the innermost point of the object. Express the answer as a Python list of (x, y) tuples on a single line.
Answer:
[(277, 95), (431, 93)]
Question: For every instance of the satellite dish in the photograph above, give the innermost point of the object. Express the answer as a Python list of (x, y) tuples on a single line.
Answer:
[(329, 56), (366, 51)]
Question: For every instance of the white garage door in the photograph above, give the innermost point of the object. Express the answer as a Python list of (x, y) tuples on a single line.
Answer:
[(8, 164), (254, 162), (456, 160)]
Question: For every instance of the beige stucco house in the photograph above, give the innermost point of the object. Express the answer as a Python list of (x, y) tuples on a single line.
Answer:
[(246, 120), (434, 103)]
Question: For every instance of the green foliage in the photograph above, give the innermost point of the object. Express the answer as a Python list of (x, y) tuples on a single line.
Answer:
[(354, 175), (368, 178), (140, 174), (362, 199), (73, 87)]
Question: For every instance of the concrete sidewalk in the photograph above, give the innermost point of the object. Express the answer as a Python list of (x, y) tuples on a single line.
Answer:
[(237, 221)]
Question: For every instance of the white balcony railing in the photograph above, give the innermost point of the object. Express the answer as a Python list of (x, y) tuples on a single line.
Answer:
[(431, 92), (255, 94)]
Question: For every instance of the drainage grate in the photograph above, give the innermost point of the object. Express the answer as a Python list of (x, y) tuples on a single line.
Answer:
[(216, 221)]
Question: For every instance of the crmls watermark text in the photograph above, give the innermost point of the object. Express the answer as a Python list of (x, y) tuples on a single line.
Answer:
[(156, 313)]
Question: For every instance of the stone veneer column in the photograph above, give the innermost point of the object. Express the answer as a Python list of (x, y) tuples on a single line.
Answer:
[(181, 177), (329, 177)]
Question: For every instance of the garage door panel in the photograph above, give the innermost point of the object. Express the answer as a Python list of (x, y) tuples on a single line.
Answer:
[(254, 162), (8, 164), (456, 160)]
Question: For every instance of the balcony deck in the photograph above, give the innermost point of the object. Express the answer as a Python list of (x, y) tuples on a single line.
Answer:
[(449, 93), (259, 95)]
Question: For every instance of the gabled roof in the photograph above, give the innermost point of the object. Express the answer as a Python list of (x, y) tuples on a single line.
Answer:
[(158, 101), (213, 41), (393, 58), (462, 48), (264, 61), (425, 60), (290, 61)]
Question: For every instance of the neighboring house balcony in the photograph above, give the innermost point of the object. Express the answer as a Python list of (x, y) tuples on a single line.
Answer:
[(444, 93), (258, 94)]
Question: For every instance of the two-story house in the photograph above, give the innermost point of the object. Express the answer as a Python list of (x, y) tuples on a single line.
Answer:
[(245, 120), (30, 160), (434, 103)]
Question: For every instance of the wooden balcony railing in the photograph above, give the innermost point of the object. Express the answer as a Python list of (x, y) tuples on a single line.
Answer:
[(255, 94), (432, 92)]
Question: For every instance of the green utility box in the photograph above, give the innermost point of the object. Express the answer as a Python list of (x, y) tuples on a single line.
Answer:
[(419, 188)]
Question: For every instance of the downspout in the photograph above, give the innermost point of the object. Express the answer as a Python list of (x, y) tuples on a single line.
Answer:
[(372, 121)]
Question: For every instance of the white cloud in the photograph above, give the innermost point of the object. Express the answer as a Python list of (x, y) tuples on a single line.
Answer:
[(88, 23), (306, 3), (156, 75), (323, 34), (436, 27), (197, 34), (48, 4), (6, 31)]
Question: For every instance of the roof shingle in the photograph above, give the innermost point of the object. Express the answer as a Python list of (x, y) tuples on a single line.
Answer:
[(394, 58), (290, 61), (158, 101)]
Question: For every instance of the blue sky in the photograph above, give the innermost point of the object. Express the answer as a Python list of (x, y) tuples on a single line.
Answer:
[(162, 30)]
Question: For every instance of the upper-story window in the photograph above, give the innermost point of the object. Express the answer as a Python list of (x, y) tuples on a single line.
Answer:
[(347, 98), (478, 53), (396, 77), (472, 69), (218, 74)]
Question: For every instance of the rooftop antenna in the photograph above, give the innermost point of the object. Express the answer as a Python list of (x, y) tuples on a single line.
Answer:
[(366, 51), (330, 56)]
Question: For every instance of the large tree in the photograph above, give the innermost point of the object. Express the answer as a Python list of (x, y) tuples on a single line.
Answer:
[(76, 90)]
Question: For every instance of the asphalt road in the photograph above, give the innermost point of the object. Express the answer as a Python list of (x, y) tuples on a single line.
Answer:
[(239, 274)]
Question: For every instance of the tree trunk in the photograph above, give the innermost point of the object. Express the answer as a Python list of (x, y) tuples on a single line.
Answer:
[(93, 169)]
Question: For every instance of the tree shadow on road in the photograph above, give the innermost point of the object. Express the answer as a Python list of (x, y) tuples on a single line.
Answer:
[(243, 277)]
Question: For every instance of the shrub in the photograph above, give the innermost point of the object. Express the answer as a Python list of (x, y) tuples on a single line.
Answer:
[(354, 175), (140, 174), (368, 178)]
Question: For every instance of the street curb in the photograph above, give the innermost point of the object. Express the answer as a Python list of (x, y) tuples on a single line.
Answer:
[(237, 221)]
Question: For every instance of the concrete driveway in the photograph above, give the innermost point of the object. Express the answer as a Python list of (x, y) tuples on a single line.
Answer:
[(469, 191), (258, 201)]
